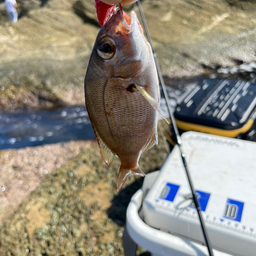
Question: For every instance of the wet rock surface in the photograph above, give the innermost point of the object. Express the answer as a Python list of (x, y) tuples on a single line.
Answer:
[(43, 59), (29, 128)]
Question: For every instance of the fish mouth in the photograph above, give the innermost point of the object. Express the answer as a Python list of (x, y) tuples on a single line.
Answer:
[(130, 37), (130, 22), (134, 23)]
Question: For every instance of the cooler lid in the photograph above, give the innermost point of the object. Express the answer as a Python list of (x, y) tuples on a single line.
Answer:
[(224, 105)]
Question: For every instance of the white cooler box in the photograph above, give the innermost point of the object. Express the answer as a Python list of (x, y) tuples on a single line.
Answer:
[(223, 171)]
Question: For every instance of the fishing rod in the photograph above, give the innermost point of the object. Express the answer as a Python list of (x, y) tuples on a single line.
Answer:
[(177, 136)]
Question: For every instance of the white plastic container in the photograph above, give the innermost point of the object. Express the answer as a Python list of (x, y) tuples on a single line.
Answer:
[(159, 243), (224, 174)]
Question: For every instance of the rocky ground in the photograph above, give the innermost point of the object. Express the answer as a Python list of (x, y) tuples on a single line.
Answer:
[(73, 209), (22, 170), (43, 57)]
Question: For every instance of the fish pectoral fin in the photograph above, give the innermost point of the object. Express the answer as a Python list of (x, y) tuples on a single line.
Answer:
[(153, 141), (106, 154), (150, 100), (168, 136), (125, 173)]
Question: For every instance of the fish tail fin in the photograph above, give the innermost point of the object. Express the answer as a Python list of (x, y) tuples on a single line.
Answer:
[(125, 173)]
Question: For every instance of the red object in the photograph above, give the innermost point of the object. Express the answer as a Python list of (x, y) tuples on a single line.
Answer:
[(104, 11), (120, 7)]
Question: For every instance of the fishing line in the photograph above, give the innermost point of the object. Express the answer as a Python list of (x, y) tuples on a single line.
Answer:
[(178, 138), (120, 7)]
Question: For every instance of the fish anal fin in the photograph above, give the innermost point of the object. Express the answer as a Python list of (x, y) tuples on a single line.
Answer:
[(106, 154), (153, 141), (125, 173), (151, 101)]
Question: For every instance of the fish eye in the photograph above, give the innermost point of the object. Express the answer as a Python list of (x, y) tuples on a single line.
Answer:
[(106, 48)]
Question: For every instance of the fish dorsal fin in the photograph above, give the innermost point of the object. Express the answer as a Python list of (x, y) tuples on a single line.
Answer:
[(106, 154), (153, 141), (151, 101)]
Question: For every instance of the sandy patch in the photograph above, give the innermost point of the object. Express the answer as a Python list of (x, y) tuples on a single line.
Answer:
[(37, 217), (89, 194), (22, 170)]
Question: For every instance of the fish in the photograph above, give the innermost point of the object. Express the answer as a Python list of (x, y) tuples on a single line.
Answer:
[(122, 94)]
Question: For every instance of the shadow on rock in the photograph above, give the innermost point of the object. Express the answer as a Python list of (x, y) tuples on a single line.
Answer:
[(145, 254), (24, 7), (86, 11), (43, 3), (119, 204)]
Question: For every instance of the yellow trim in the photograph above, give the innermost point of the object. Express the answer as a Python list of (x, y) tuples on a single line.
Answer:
[(200, 128), (168, 137)]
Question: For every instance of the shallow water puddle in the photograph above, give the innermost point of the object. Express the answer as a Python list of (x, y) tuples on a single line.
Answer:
[(25, 128)]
